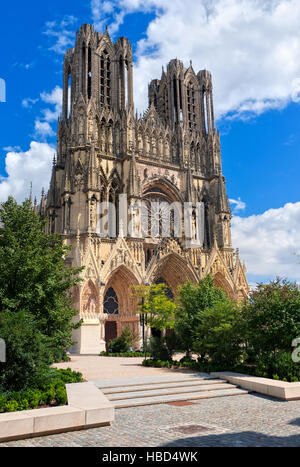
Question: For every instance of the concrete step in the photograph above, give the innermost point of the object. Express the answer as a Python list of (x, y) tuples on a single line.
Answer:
[(177, 397), (143, 380), (148, 390), (166, 385), (168, 391)]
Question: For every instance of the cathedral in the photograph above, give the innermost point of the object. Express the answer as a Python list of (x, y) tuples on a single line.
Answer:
[(106, 153)]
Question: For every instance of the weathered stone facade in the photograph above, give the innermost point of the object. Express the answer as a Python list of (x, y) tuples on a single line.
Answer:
[(104, 149)]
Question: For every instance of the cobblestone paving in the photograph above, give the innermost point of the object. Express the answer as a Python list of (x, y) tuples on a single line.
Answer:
[(249, 420)]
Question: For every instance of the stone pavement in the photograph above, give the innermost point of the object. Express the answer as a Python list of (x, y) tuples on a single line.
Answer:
[(250, 420), (94, 367)]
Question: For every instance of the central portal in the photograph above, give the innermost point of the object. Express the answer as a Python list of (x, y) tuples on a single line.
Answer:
[(110, 332)]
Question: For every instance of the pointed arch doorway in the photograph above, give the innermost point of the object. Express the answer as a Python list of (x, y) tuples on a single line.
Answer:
[(110, 332), (119, 305), (111, 309)]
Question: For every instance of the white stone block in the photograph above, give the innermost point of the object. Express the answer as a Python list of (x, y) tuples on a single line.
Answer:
[(90, 339), (15, 424), (54, 419), (86, 396)]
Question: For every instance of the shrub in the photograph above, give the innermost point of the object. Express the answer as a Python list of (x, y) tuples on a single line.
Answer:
[(279, 366), (25, 351), (11, 406), (124, 342), (158, 349), (51, 393), (124, 354), (271, 319)]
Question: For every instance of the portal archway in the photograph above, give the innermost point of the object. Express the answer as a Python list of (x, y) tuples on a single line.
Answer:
[(222, 283), (174, 271), (119, 305)]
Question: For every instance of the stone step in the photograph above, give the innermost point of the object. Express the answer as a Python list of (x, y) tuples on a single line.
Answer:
[(143, 380), (118, 404), (166, 385), (133, 394)]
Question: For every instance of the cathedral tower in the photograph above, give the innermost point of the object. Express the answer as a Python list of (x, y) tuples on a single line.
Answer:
[(168, 157)]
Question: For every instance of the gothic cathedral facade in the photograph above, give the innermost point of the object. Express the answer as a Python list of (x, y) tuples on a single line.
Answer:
[(104, 150)]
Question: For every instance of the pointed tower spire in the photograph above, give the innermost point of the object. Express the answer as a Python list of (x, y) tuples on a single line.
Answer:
[(52, 196), (35, 208), (132, 187), (30, 193), (223, 203), (42, 203), (91, 175)]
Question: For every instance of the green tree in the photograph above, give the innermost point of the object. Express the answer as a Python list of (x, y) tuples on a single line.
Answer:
[(160, 310), (194, 301), (34, 280), (154, 301), (26, 356), (272, 319), (218, 335)]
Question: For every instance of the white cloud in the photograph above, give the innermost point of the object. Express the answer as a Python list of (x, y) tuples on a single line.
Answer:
[(11, 148), (23, 168), (252, 47), (43, 123), (62, 33), (54, 98), (28, 102), (239, 205), (269, 242), (43, 128)]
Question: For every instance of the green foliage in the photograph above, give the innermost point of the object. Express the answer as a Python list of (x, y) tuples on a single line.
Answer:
[(255, 338), (34, 285), (151, 362), (158, 349), (279, 366), (26, 356), (154, 301), (218, 336), (123, 354), (51, 391), (124, 342), (271, 319), (207, 322)]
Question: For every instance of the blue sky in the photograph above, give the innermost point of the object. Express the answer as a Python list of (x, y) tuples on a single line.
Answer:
[(252, 49)]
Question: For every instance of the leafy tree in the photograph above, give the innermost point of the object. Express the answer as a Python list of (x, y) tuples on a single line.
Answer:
[(26, 356), (218, 335), (272, 318), (194, 300), (160, 309), (34, 283), (154, 301)]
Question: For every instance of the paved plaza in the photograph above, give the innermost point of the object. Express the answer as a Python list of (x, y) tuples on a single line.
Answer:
[(249, 420), (243, 420), (94, 367)]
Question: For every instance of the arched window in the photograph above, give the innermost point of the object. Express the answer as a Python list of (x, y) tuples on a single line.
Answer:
[(83, 72), (113, 198), (169, 292), (105, 79), (111, 303), (191, 106), (89, 74)]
